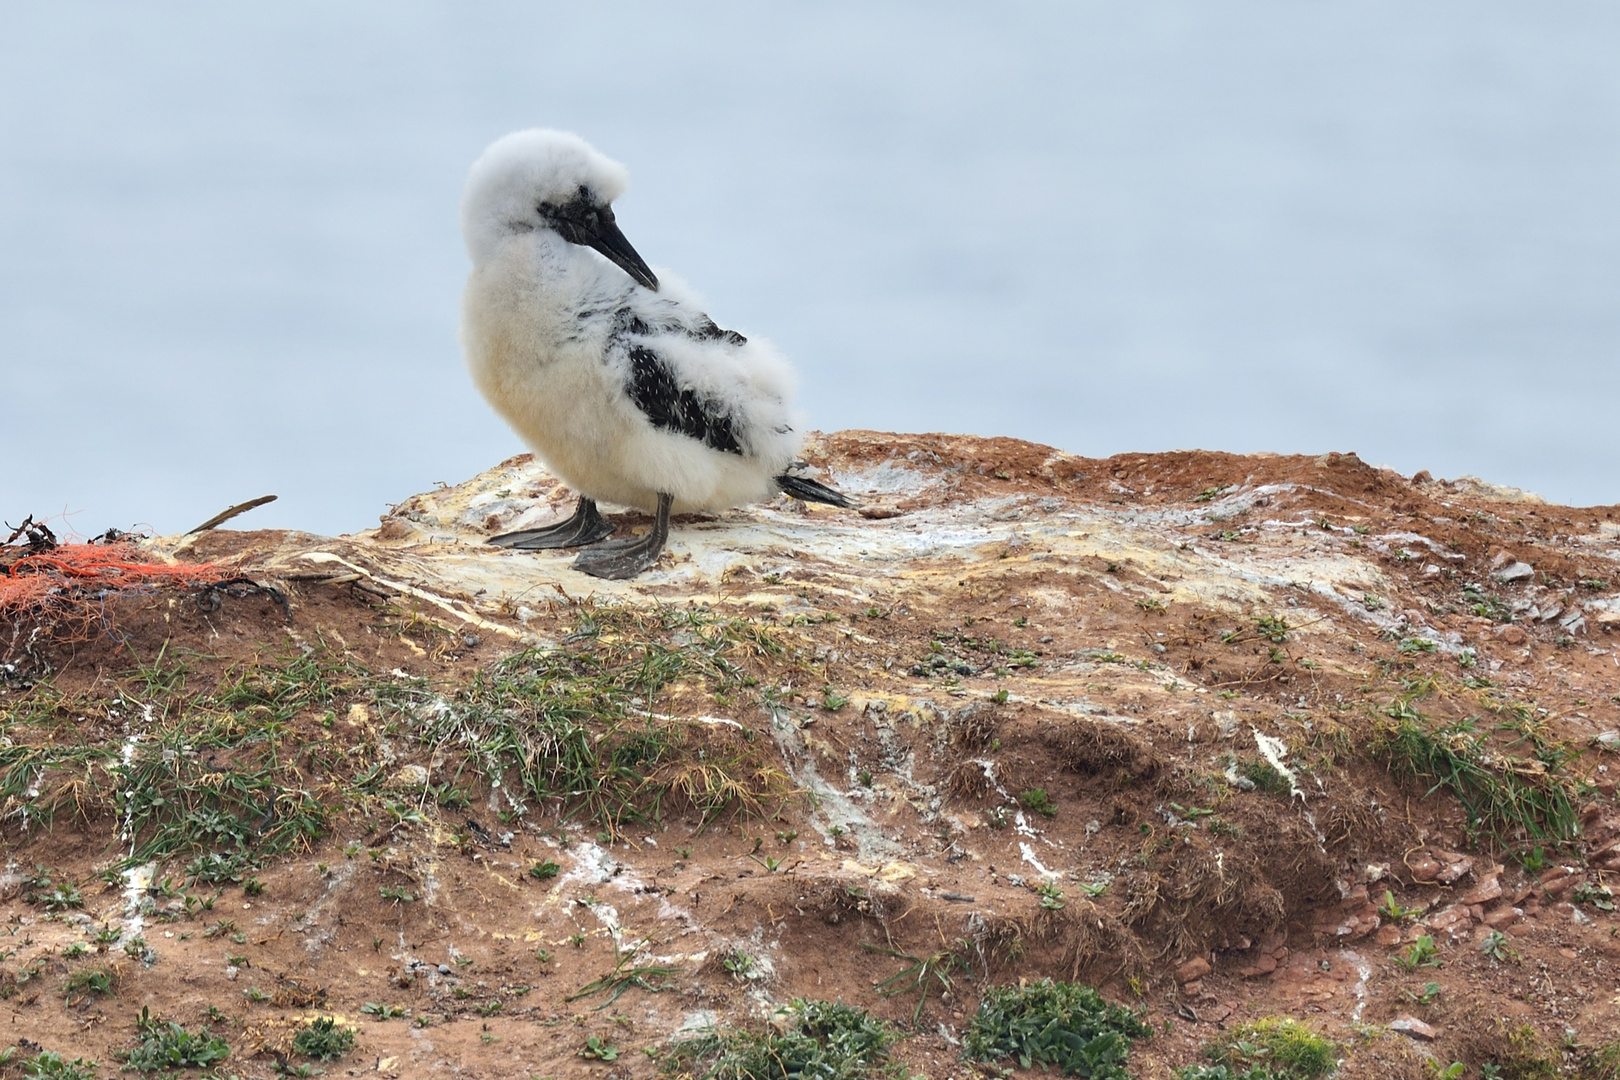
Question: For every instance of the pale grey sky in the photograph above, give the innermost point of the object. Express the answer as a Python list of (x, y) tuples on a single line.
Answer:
[(229, 263)]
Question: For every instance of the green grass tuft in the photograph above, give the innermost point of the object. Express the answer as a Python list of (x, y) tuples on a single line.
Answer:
[(821, 1039), (1281, 1048), (323, 1040), (1066, 1025)]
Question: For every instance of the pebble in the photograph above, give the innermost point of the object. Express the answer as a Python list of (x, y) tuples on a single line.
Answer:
[(1488, 889), (1412, 1026), (1192, 970)]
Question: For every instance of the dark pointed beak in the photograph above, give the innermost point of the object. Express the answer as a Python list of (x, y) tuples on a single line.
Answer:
[(607, 239)]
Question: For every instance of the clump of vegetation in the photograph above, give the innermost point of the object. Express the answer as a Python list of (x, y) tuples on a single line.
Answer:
[(1503, 796), (83, 983), (1067, 1025), (821, 1039), (575, 723), (653, 978), (1603, 1062), (922, 974), (49, 1065), (1264, 776), (217, 778), (1038, 801), (1274, 1048), (167, 1045), (323, 1040)]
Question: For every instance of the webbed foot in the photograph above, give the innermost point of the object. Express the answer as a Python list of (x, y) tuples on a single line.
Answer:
[(618, 560), (587, 526)]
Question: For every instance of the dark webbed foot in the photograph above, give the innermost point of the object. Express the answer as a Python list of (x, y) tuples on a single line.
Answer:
[(621, 559), (585, 527)]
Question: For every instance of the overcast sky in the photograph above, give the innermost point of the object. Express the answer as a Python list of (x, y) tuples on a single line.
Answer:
[(230, 266)]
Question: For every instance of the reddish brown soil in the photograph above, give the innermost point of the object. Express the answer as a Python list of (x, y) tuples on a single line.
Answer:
[(1274, 915)]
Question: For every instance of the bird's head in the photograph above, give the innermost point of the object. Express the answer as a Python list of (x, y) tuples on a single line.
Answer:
[(543, 179)]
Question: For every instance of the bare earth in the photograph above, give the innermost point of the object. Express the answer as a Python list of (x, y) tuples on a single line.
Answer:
[(1204, 661)]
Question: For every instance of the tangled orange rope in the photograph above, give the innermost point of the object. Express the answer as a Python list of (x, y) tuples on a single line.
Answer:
[(67, 576)]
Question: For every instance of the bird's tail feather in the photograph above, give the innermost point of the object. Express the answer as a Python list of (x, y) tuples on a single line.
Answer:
[(810, 491)]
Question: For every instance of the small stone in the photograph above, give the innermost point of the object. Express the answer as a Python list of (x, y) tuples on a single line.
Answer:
[(1375, 871), (1192, 970), (1518, 571), (1608, 740), (1423, 866), (1488, 889), (1557, 882), (409, 778), (1453, 920), (1512, 635), (1457, 867), (1413, 1027), (1192, 989), (1388, 935), (1265, 965)]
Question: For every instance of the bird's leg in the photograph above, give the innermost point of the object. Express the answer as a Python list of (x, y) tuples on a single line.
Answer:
[(620, 559), (585, 527)]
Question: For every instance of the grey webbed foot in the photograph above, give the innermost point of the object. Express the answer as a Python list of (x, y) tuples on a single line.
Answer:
[(585, 527), (621, 559)]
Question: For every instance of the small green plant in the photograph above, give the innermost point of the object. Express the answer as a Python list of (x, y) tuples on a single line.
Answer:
[(1393, 911), (49, 1065), (87, 981), (1286, 1049), (397, 893), (599, 1049), (1273, 630), (322, 1039), (1534, 859), (1454, 1071), (653, 978), (1599, 896), (832, 700), (544, 871), (738, 964), (1421, 953), (382, 1011), (1037, 801), (1496, 947), (1051, 896), (1427, 996), (821, 1039), (163, 1045), (1067, 1025), (922, 974), (997, 817)]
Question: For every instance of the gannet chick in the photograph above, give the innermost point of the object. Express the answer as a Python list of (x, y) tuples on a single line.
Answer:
[(618, 382)]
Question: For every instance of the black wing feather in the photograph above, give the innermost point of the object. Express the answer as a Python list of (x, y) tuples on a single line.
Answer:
[(675, 408)]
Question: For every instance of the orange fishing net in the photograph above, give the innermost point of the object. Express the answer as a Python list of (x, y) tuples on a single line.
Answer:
[(68, 585)]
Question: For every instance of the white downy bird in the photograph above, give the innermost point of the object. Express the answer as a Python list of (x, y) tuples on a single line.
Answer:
[(619, 383)]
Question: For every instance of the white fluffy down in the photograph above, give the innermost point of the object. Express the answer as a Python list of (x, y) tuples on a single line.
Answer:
[(537, 315)]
